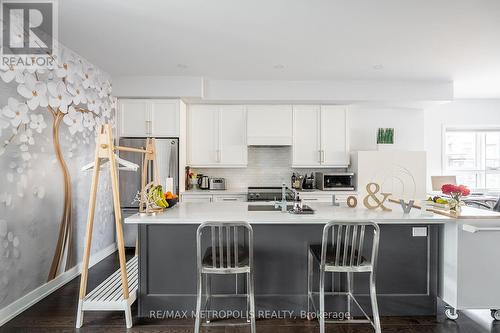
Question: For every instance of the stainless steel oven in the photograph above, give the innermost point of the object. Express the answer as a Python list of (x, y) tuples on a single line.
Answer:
[(342, 181)]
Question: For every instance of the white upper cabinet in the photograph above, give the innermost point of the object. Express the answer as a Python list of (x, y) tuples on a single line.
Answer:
[(217, 136), (146, 117), (334, 136), (202, 136), (134, 117), (269, 125), (306, 136), (320, 136), (165, 118), (232, 135)]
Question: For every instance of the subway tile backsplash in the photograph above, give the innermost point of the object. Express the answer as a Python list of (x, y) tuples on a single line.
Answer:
[(267, 166)]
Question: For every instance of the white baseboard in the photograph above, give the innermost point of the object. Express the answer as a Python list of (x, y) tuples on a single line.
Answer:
[(34, 296)]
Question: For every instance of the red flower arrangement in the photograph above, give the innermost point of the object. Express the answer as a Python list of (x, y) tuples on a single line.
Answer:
[(453, 190), (456, 192)]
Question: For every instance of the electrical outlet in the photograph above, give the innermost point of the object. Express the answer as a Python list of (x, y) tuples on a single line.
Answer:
[(419, 231)]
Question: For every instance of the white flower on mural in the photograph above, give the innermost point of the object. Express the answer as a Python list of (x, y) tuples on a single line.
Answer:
[(68, 70), (17, 112), (37, 123), (4, 123), (88, 78), (88, 121), (76, 90), (27, 137), (59, 96), (74, 120), (10, 74), (34, 91)]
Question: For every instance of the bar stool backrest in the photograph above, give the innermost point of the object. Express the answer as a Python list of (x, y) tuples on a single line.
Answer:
[(349, 243), (230, 238)]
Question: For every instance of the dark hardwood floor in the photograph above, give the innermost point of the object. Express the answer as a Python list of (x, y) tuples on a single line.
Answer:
[(57, 313)]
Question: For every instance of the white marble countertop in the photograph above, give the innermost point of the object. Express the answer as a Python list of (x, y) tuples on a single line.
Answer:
[(195, 213)]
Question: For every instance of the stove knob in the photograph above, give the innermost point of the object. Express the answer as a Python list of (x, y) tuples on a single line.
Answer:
[(257, 195)]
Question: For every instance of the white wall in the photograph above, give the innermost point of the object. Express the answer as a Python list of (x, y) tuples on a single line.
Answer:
[(365, 120), (472, 112)]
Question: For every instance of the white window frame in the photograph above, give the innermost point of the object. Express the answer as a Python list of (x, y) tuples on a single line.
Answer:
[(480, 154)]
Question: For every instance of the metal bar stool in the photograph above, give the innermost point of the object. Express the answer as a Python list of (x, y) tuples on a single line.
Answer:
[(230, 252), (341, 251)]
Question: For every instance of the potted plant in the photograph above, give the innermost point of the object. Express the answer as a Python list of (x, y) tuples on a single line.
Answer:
[(456, 192)]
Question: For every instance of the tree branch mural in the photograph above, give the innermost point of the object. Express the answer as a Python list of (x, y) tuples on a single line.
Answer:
[(73, 93)]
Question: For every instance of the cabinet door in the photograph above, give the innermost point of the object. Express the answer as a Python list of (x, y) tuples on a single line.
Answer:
[(134, 117), (269, 125), (334, 136), (306, 136), (165, 118), (203, 133), (232, 133)]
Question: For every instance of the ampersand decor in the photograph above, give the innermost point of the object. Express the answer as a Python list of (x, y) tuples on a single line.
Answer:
[(373, 189)]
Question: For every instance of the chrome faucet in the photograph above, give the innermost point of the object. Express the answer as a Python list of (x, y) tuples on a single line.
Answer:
[(282, 204)]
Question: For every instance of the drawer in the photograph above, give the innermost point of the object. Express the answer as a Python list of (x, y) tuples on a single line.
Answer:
[(229, 198), (196, 198)]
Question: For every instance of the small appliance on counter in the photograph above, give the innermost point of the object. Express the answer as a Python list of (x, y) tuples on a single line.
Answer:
[(342, 181), (217, 183), (308, 182), (203, 182)]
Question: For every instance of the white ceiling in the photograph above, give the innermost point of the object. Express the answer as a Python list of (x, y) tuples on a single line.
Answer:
[(456, 40)]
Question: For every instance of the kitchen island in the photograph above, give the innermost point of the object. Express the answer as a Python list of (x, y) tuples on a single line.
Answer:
[(407, 274)]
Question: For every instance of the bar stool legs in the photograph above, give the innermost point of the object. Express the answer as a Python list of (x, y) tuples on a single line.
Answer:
[(198, 304), (252, 300), (322, 301), (373, 299)]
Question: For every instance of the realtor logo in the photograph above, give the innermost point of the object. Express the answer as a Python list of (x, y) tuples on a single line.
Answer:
[(28, 32)]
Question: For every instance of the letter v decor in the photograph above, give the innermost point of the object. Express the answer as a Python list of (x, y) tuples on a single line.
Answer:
[(74, 93)]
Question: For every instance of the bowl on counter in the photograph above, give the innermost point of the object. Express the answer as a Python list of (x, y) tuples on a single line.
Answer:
[(172, 202)]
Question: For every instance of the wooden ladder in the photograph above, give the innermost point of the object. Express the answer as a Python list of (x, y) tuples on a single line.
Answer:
[(118, 291)]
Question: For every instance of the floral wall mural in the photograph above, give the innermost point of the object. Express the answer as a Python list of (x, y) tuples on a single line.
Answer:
[(48, 118)]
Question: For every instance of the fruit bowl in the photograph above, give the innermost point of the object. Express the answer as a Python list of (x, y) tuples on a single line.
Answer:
[(172, 202)]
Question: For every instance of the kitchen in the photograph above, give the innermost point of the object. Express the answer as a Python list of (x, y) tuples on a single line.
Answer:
[(251, 166)]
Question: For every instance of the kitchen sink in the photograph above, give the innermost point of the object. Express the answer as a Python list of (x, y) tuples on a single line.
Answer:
[(266, 208)]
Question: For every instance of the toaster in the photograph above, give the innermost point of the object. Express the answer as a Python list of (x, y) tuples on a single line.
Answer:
[(217, 184)]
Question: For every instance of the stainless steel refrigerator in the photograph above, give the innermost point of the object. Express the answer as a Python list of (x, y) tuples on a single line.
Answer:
[(167, 158)]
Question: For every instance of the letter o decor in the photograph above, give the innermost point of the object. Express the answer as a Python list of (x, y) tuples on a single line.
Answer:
[(352, 201)]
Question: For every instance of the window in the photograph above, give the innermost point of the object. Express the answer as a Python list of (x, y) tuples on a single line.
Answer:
[(473, 155)]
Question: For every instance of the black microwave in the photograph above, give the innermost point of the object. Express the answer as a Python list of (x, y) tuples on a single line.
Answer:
[(335, 181)]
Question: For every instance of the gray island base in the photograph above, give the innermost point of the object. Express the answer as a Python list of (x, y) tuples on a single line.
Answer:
[(407, 272)]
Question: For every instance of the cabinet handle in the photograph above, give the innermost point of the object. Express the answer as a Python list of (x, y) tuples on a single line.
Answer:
[(148, 127), (319, 151), (310, 199), (322, 156), (229, 199)]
